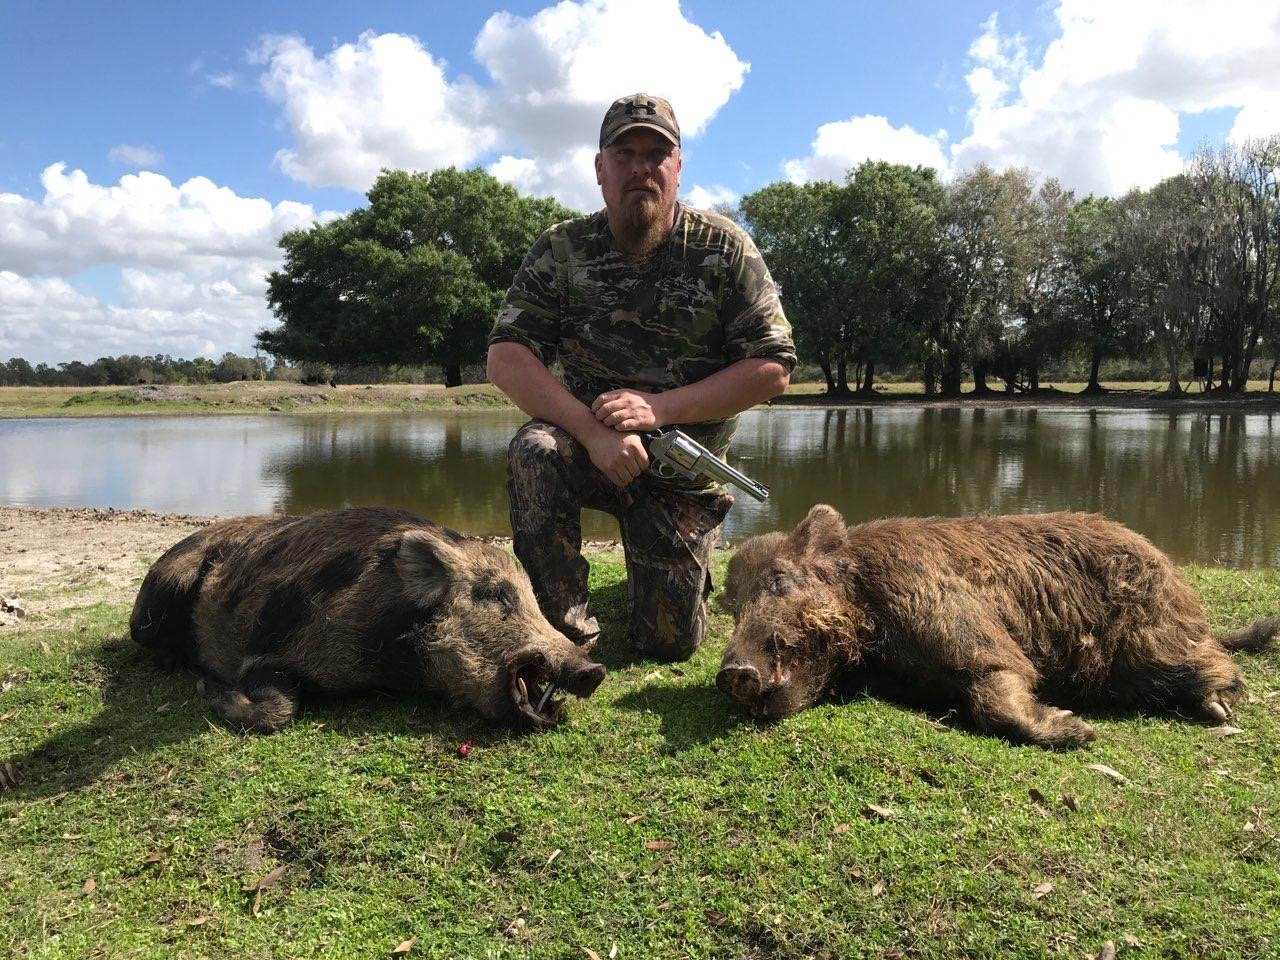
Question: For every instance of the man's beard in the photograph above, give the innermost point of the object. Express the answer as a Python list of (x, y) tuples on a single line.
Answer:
[(642, 223)]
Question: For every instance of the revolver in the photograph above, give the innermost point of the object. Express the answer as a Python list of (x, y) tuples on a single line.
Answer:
[(673, 453)]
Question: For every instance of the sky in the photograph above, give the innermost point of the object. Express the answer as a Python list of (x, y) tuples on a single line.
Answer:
[(151, 154)]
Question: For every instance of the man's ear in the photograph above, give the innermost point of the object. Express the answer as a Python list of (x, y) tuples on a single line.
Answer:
[(600, 169), (821, 532)]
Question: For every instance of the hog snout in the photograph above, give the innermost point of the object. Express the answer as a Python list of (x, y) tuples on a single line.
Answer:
[(581, 679), (738, 679)]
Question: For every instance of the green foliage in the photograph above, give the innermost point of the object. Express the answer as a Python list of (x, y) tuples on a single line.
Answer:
[(416, 276)]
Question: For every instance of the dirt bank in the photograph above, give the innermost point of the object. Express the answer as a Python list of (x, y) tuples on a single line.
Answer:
[(53, 559)]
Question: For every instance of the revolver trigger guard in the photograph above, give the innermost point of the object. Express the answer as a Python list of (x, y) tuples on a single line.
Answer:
[(664, 470)]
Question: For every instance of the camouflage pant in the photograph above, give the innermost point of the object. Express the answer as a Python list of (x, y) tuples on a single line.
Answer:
[(667, 537)]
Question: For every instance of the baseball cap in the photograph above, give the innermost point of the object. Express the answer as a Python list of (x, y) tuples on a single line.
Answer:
[(639, 110)]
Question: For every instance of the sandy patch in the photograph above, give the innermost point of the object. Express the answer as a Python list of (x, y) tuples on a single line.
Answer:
[(55, 558), (51, 559)]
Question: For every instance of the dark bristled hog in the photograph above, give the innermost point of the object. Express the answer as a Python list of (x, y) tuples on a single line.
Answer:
[(351, 601), (996, 613)]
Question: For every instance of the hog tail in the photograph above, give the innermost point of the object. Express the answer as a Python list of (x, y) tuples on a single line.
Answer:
[(263, 702), (1256, 636)]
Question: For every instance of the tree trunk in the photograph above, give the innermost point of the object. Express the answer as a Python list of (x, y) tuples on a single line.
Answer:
[(952, 376), (1033, 377), (842, 375), (980, 374), (1095, 362), (452, 374), (930, 374), (868, 379), (825, 363), (1271, 381)]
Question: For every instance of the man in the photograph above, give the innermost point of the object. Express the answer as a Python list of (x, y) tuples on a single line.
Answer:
[(659, 315)]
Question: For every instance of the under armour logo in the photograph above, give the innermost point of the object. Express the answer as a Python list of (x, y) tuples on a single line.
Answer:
[(648, 107)]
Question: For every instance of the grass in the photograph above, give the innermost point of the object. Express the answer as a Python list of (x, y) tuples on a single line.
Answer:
[(656, 819), (274, 397)]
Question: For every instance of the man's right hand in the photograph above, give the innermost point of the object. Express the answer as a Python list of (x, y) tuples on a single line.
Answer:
[(619, 456)]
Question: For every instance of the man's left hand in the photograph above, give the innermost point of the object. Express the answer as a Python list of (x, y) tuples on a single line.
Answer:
[(629, 410)]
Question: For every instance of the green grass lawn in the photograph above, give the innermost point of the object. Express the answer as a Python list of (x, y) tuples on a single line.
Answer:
[(656, 820)]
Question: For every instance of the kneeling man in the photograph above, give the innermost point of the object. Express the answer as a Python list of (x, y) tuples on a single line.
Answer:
[(659, 315)]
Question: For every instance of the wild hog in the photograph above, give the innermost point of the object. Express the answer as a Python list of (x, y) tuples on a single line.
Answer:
[(994, 612), (351, 601), (748, 560)]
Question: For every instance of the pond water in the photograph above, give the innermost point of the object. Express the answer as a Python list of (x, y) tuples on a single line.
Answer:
[(1203, 486)]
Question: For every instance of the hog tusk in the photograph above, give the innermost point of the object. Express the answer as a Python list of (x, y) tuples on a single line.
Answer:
[(524, 691), (546, 695)]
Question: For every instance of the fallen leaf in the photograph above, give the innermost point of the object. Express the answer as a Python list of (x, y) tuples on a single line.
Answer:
[(9, 715), (72, 836), (1042, 890), (841, 828), (152, 857), (1069, 802), (163, 708), (613, 951), (44, 648), (879, 888), (874, 809), (1109, 772), (1108, 952), (591, 953), (268, 881), (659, 844), (634, 818), (1036, 796), (552, 859), (404, 947), (1131, 940), (90, 885), (1225, 730), (1249, 826), (199, 921)]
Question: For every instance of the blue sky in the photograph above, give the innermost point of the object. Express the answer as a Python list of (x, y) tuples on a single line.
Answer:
[(153, 151)]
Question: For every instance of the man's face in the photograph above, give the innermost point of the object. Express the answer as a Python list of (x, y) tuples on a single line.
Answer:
[(639, 175)]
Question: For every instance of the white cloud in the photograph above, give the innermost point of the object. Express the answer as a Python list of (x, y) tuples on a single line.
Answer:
[(845, 144), (382, 101), (704, 198), (385, 101), (193, 258), (134, 156), (1101, 110)]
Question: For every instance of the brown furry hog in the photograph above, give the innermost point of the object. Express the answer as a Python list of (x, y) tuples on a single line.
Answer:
[(993, 612), (351, 601)]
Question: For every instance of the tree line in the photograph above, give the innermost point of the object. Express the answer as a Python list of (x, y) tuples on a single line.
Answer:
[(999, 275), (995, 276)]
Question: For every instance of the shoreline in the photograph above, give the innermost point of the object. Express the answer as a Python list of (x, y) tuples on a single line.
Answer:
[(267, 398)]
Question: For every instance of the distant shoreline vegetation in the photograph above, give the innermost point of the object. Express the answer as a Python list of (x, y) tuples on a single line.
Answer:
[(891, 276)]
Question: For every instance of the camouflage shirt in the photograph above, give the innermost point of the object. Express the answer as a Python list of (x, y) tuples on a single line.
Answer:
[(702, 301)]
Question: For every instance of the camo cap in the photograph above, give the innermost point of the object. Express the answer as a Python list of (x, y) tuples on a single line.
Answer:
[(639, 110)]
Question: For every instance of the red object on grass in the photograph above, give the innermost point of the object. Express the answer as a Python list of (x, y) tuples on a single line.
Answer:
[(464, 748)]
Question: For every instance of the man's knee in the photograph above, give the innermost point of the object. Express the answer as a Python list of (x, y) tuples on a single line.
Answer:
[(669, 611)]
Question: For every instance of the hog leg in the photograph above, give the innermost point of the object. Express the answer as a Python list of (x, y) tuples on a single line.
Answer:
[(1214, 685), (263, 700), (959, 637), (1002, 702)]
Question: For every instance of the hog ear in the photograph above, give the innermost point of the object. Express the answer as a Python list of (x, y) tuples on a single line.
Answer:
[(428, 563), (821, 532)]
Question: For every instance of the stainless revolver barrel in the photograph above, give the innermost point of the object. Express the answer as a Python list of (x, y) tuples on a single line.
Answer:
[(675, 453)]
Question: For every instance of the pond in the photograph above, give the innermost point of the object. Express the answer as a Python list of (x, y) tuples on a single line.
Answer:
[(1203, 486)]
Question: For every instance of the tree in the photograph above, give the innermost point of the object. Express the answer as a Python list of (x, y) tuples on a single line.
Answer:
[(1102, 288), (1237, 187), (886, 219), (417, 276), (987, 221), (793, 227)]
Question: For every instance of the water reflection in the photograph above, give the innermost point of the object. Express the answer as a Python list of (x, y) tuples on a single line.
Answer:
[(1204, 486)]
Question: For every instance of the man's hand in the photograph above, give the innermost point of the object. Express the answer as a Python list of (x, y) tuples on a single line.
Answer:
[(629, 410), (619, 456)]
